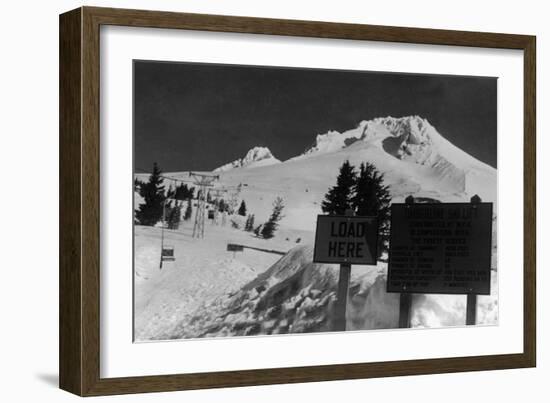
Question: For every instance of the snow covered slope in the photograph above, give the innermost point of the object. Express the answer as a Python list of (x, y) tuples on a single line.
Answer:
[(296, 295), (255, 157)]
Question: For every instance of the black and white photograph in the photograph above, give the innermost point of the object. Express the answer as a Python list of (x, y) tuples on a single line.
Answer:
[(277, 200)]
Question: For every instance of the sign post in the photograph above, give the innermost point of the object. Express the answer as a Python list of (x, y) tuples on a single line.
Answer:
[(471, 299), (440, 248), (342, 297), (471, 308), (405, 303), (405, 298), (345, 240)]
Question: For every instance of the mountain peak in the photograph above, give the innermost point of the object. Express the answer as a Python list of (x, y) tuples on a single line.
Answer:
[(255, 157)]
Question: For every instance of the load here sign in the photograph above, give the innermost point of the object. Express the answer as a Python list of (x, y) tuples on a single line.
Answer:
[(346, 239)]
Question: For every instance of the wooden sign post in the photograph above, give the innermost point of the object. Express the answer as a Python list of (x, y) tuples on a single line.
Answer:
[(342, 297), (471, 298), (345, 240), (405, 298), (471, 308), (440, 248)]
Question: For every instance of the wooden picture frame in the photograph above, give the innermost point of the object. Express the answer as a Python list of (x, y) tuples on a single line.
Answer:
[(79, 280)]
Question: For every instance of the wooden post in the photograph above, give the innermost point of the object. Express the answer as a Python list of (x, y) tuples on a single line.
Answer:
[(342, 296), (405, 299), (471, 299), (471, 308), (405, 302)]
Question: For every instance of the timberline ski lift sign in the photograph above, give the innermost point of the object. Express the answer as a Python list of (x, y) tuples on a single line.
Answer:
[(440, 248), (346, 240)]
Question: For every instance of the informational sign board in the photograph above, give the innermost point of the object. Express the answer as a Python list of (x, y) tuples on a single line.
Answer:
[(231, 247), (346, 240), (440, 248)]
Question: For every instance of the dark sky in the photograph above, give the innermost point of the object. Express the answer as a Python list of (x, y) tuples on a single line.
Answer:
[(190, 116)]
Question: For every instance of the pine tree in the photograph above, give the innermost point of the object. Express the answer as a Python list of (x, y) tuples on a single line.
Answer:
[(338, 198), (258, 230), (166, 213), (188, 210), (372, 198), (249, 226), (242, 209), (183, 192), (177, 215), (150, 212), (173, 215), (268, 230)]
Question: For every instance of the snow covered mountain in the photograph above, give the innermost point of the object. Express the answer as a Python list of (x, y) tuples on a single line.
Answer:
[(255, 157), (414, 140), (414, 157)]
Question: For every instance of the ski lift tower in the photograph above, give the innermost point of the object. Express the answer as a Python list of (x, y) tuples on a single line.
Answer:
[(203, 181)]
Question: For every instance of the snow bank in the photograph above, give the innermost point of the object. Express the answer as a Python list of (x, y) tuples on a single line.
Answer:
[(296, 295)]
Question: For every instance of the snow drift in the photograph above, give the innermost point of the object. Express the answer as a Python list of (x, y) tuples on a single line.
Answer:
[(298, 296)]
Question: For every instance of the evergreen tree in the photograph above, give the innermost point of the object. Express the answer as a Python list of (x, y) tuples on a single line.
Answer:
[(150, 212), (188, 210), (258, 230), (242, 209), (372, 198), (183, 192), (166, 213), (338, 198), (173, 216), (249, 226), (268, 230)]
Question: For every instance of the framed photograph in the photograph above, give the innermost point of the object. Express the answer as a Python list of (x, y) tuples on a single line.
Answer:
[(249, 201)]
